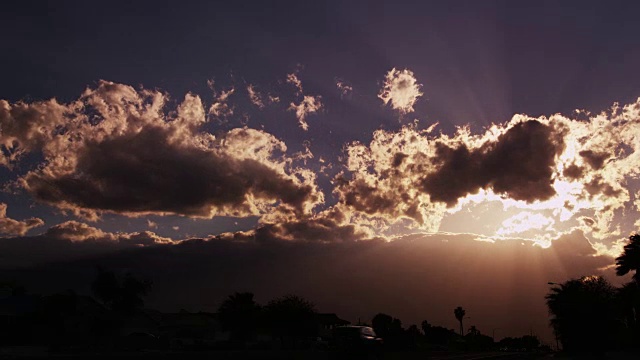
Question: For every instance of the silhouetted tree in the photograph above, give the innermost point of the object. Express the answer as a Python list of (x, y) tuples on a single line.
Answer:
[(473, 331), (630, 258), (629, 294), (530, 342), (122, 294), (291, 316), (475, 340), (584, 313), (239, 314), (525, 342), (385, 325), (390, 329), (426, 328), (629, 299), (381, 324), (459, 312), (413, 335)]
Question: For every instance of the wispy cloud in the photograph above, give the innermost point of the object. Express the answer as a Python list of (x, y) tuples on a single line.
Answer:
[(255, 96), (12, 227), (220, 108), (295, 81), (308, 105), (344, 88)]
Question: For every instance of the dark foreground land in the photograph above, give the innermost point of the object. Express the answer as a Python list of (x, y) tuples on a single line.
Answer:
[(41, 353), (35, 353)]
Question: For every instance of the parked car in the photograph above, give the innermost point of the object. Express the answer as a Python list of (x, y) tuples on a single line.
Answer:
[(356, 337), (141, 341)]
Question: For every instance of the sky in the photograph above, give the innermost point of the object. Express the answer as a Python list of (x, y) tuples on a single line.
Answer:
[(371, 156)]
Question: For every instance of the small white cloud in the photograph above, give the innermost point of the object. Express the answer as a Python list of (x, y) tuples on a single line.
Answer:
[(401, 89), (220, 107), (255, 97), (523, 222), (273, 99), (260, 99), (293, 80), (344, 88), (308, 105)]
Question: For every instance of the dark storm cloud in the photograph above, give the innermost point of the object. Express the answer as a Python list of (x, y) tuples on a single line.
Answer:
[(144, 172), (328, 226), (598, 186), (117, 149), (69, 241), (573, 171), (595, 159), (412, 175), (519, 165)]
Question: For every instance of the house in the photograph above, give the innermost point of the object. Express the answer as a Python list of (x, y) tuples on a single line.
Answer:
[(327, 322)]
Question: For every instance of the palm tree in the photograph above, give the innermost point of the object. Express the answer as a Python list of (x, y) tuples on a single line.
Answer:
[(473, 331), (629, 295), (426, 328), (585, 313), (459, 312), (630, 259)]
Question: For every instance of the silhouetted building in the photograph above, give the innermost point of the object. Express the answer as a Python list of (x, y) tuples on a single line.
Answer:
[(328, 322)]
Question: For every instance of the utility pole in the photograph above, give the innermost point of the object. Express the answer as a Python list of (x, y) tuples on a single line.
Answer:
[(493, 334)]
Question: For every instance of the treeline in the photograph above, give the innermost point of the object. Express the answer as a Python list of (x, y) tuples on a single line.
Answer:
[(431, 337), (589, 315), (115, 318)]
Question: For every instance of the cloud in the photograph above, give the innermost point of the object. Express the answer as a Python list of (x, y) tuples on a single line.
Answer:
[(260, 99), (401, 89), (308, 105), (305, 104), (331, 225), (27, 126), (255, 96), (75, 231), (523, 222), (121, 150), (520, 164), (11, 227), (555, 167), (117, 151), (152, 224), (220, 108), (409, 175), (70, 241), (344, 88), (295, 81)]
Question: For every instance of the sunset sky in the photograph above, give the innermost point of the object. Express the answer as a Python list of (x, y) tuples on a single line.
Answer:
[(370, 156)]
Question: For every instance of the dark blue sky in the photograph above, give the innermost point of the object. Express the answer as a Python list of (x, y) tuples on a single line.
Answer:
[(479, 62), (511, 56)]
